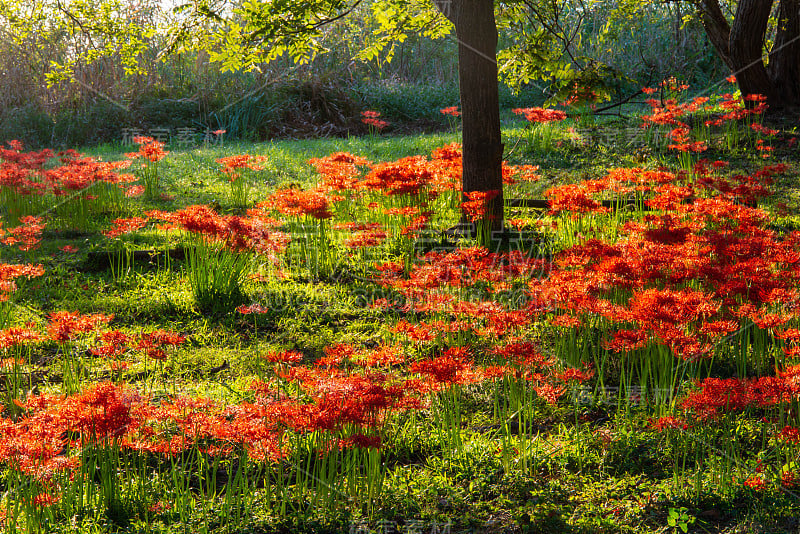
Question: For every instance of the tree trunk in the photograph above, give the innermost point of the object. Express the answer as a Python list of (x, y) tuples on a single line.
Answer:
[(746, 44), (784, 58), (717, 28), (741, 47), (476, 32)]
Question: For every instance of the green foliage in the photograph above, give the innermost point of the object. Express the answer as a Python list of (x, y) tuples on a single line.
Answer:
[(679, 518), (216, 276), (569, 46), (407, 102)]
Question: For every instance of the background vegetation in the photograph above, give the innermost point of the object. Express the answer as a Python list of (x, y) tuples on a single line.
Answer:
[(605, 53)]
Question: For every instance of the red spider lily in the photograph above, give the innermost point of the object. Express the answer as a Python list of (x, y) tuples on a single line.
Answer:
[(415, 225), (69, 249), (452, 111), (28, 160), (339, 170), (371, 118), (100, 412), (149, 149), (159, 507), (77, 173), (252, 309), (233, 232), (134, 191), (8, 272), (574, 198), (673, 84), (46, 500), (27, 234), (378, 124), (382, 356), (520, 173), (718, 395), (574, 375), (549, 392), (565, 321), (477, 205), (160, 338), (755, 483), (670, 111), (289, 356), (366, 238), (296, 203), (448, 368), (336, 355), (789, 434), (764, 149), (17, 335), (243, 161), (649, 90), (65, 326), (125, 226), (668, 422), (451, 152), (760, 128), (525, 354), (541, 115), (404, 176)]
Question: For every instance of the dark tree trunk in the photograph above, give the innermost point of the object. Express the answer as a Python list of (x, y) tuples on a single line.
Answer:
[(716, 27), (741, 47), (746, 44), (476, 32), (784, 58)]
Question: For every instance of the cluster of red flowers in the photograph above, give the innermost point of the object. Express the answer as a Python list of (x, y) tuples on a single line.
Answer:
[(477, 203), (541, 115), (363, 234), (575, 198), (230, 231), (25, 236), (78, 173), (24, 173), (125, 226), (371, 118), (717, 396), (66, 326), (721, 249), (416, 176), (9, 272), (149, 148), (243, 161), (668, 112), (295, 202), (407, 176), (452, 111), (339, 171)]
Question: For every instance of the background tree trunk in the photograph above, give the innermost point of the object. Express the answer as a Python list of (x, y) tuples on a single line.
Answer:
[(746, 44), (784, 58), (741, 47), (716, 26)]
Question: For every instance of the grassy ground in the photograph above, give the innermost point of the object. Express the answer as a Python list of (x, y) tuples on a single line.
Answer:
[(584, 464)]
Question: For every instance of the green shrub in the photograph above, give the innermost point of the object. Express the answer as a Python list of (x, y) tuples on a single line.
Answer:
[(28, 124)]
